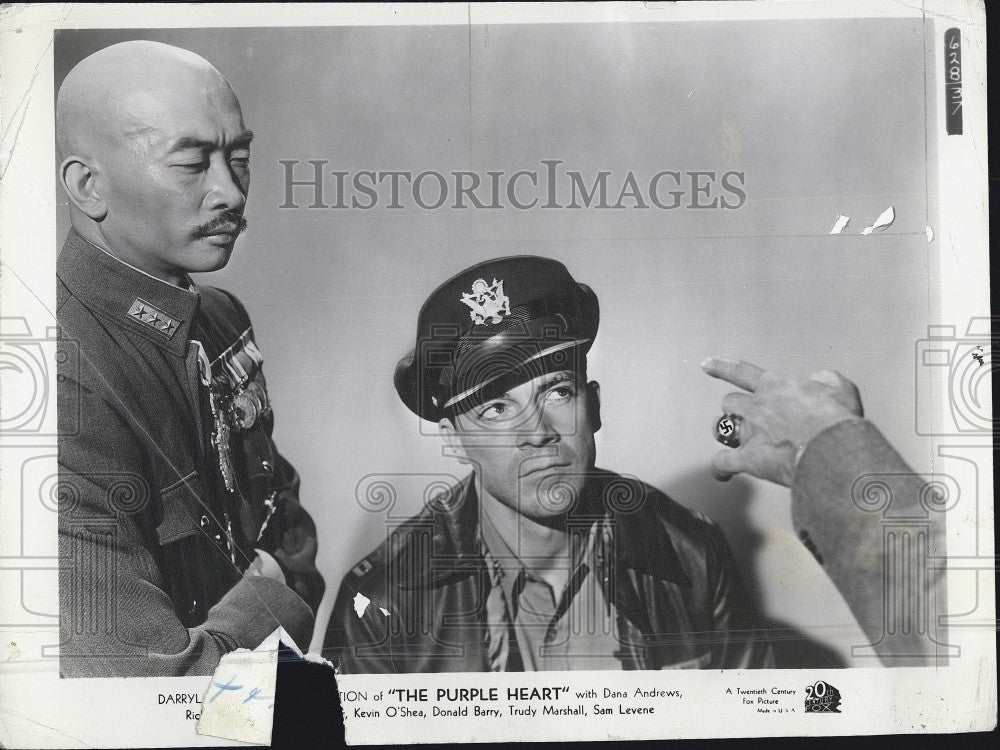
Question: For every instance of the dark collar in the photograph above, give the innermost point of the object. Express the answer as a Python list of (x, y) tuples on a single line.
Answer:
[(452, 521), (642, 544), (154, 309)]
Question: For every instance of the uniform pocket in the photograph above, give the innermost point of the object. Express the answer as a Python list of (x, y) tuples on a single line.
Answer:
[(183, 510)]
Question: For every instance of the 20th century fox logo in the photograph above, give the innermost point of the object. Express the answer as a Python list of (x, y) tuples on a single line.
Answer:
[(822, 697)]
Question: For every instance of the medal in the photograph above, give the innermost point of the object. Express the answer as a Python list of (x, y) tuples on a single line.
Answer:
[(220, 439), (245, 410), (271, 506), (237, 412), (248, 405), (230, 541)]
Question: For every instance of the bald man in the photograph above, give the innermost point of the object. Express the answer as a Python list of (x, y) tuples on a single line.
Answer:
[(181, 535)]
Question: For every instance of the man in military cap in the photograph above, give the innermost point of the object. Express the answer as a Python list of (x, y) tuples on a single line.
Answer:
[(180, 532), (537, 560)]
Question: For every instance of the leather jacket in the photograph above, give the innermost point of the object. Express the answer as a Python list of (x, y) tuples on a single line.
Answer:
[(671, 577)]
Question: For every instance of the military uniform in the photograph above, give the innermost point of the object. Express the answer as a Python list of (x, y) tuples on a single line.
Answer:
[(432, 598), (676, 598), (168, 477)]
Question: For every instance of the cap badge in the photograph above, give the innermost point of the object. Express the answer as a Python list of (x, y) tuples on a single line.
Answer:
[(487, 302)]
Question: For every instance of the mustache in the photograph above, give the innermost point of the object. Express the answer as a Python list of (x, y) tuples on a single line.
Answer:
[(224, 221)]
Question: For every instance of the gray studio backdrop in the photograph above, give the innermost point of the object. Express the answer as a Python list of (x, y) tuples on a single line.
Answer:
[(822, 118)]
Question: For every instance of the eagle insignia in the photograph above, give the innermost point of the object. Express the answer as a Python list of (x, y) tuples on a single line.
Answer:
[(487, 302)]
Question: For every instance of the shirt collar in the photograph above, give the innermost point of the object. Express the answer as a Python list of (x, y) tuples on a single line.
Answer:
[(155, 309), (456, 545), (582, 547)]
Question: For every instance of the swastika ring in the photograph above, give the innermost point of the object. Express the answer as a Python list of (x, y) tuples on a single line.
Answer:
[(727, 430)]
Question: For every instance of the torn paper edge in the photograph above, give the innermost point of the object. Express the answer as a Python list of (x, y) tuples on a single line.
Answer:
[(840, 224), (884, 219), (361, 603), (270, 646), (218, 720)]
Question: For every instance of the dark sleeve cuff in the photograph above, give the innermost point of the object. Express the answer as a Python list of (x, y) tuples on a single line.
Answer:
[(254, 608)]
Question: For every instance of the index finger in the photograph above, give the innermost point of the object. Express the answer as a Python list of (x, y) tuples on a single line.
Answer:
[(739, 372)]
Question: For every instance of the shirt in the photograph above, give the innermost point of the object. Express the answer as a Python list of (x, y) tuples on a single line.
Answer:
[(574, 629)]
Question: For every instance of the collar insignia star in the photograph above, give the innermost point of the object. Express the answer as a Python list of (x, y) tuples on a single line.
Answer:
[(152, 317)]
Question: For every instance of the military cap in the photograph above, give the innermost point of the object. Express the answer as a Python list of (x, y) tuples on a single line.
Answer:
[(494, 324)]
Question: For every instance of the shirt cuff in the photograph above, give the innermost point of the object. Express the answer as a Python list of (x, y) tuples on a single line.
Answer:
[(265, 565)]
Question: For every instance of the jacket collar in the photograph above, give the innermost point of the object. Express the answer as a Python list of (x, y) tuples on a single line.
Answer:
[(640, 544), (154, 309), (454, 551)]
